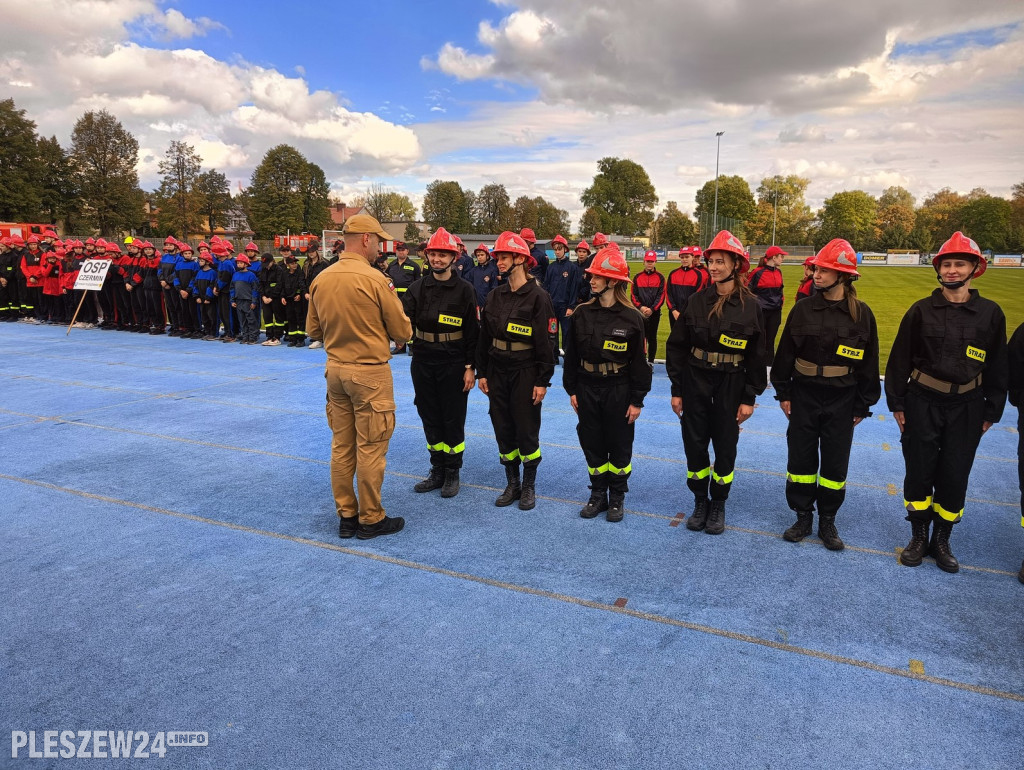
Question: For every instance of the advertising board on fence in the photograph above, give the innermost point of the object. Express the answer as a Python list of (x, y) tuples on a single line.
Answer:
[(91, 274), (1005, 260), (903, 259), (873, 258)]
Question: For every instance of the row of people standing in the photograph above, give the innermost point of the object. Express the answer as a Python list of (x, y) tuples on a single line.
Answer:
[(825, 375)]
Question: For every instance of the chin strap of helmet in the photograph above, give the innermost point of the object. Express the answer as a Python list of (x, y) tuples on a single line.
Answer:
[(439, 270), (953, 285)]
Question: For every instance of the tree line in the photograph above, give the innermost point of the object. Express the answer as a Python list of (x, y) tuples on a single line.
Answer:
[(93, 186)]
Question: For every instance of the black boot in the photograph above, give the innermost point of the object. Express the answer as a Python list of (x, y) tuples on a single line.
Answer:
[(451, 482), (431, 482), (939, 548), (801, 529), (616, 499), (513, 490), (918, 545), (699, 516), (716, 518), (1020, 575), (528, 498), (828, 533), (598, 502)]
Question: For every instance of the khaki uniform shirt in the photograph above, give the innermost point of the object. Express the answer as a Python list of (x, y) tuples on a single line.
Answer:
[(354, 310)]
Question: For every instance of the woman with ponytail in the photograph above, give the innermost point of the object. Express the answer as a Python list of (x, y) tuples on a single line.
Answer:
[(515, 360), (826, 380), (607, 376), (716, 359), (442, 309)]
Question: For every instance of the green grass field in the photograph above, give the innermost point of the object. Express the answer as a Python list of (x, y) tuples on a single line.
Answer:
[(889, 291)]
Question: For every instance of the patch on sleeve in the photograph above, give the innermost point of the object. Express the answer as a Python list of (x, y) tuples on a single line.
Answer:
[(552, 325), (391, 285)]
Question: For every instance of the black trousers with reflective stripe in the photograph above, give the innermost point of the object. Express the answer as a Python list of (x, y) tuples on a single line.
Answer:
[(606, 437), (273, 318), (710, 401), (441, 404), (939, 441), (651, 333), (295, 313), (515, 419), (819, 437)]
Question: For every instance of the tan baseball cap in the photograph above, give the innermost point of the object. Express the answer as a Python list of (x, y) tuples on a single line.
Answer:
[(364, 223)]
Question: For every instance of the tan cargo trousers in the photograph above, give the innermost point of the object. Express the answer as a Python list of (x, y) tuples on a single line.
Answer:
[(361, 414)]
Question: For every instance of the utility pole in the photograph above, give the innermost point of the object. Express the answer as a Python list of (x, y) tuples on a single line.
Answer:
[(717, 152)]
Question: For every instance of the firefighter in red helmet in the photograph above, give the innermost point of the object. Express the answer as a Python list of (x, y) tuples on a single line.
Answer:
[(442, 309), (826, 380), (607, 376), (715, 357), (946, 384), (515, 361)]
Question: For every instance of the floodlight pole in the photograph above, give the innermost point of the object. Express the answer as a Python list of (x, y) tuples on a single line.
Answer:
[(717, 151), (775, 210)]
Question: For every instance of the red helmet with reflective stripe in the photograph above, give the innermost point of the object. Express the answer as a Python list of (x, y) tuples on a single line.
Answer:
[(600, 239), (726, 241), (250, 246), (442, 240), (610, 264), (837, 255), (959, 245), (512, 243), (560, 239), (481, 247)]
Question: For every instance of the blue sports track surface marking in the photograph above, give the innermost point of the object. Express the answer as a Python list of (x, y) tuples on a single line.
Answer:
[(169, 561)]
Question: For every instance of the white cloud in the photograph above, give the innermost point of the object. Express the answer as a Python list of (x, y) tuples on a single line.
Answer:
[(232, 112)]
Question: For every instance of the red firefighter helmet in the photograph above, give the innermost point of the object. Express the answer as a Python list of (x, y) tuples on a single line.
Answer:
[(244, 259), (442, 240), (650, 256), (583, 245), (511, 243), (184, 247), (610, 264), (600, 239), (959, 245), (726, 241), (49, 233), (32, 239), (250, 246), (837, 255), (481, 247), (528, 235), (114, 248), (560, 239)]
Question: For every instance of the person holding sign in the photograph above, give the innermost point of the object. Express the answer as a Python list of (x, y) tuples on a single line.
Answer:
[(607, 375), (516, 360), (946, 384), (442, 308), (717, 361), (826, 380)]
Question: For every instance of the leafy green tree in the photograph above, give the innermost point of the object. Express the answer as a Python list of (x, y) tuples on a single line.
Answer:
[(61, 186), (850, 214), (316, 196), (735, 206), (551, 220), (987, 220), (387, 205), (780, 203), (107, 155), (896, 218), (20, 188), (274, 202), (444, 205), (673, 228), (213, 197), (590, 223), (493, 210), (177, 198), (623, 196), (412, 233), (1017, 218), (940, 214)]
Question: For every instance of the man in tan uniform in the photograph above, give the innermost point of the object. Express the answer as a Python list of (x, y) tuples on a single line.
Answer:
[(354, 310)]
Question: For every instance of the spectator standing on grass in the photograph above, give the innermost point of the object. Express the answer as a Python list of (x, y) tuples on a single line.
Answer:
[(766, 284), (945, 384), (715, 357), (354, 311), (806, 288), (607, 376), (648, 297), (1016, 355), (826, 381), (442, 309)]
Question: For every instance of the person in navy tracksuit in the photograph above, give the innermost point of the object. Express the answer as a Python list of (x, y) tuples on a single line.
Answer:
[(245, 298), (184, 271), (201, 289), (766, 284), (483, 275), (562, 283), (172, 302), (648, 297), (228, 316)]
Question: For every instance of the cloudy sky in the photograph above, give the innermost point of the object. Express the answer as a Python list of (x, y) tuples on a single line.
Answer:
[(530, 93)]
